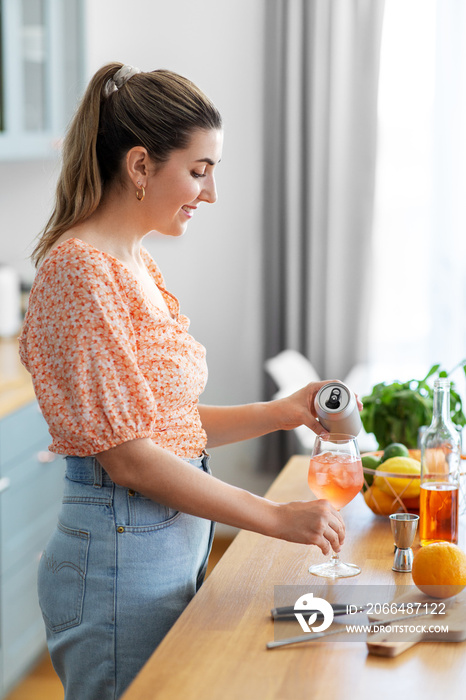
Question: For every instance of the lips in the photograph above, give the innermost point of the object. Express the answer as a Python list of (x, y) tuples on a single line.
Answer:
[(189, 211)]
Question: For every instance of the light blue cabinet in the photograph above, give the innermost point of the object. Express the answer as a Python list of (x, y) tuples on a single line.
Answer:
[(31, 484), (40, 74)]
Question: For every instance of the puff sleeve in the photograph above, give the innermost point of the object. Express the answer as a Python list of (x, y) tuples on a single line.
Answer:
[(79, 345)]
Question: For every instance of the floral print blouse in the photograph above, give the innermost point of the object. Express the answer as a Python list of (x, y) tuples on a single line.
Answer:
[(107, 365)]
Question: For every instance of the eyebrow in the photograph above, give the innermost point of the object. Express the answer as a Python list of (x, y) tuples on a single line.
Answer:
[(209, 161)]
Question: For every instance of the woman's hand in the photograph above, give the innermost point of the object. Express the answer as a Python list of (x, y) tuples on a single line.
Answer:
[(310, 522), (227, 424), (298, 408)]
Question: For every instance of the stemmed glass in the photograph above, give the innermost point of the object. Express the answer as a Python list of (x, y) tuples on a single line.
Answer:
[(335, 473)]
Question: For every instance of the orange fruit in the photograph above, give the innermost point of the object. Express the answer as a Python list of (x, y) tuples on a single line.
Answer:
[(379, 502), (439, 569), (411, 503)]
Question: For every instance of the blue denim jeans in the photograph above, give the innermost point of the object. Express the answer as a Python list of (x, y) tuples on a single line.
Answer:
[(115, 575)]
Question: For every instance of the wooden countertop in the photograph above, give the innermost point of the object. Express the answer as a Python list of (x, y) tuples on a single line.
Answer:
[(217, 649), (16, 388)]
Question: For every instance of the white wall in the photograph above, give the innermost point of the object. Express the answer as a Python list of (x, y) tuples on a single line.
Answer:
[(215, 268)]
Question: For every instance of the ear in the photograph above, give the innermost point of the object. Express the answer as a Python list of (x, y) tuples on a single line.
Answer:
[(137, 165)]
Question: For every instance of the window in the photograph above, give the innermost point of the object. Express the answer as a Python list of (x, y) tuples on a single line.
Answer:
[(1, 72), (420, 216)]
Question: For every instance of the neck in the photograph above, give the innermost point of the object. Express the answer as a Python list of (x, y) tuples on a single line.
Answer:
[(115, 227)]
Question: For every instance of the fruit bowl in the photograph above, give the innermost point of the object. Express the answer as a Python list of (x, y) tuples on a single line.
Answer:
[(388, 492)]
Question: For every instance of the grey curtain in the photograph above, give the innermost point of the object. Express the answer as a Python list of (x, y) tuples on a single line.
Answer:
[(321, 84), (322, 67)]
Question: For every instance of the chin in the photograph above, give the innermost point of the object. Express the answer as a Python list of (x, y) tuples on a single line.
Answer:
[(170, 234), (172, 227), (175, 232)]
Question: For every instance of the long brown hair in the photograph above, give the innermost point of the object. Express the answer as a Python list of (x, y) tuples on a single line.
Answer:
[(158, 110)]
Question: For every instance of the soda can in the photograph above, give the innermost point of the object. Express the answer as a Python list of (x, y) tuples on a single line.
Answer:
[(337, 409)]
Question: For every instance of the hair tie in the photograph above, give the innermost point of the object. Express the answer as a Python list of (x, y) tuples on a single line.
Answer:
[(119, 79)]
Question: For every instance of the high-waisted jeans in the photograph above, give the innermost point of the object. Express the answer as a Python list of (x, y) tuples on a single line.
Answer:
[(115, 575)]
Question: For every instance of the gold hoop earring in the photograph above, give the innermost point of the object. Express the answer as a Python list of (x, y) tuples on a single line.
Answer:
[(140, 194)]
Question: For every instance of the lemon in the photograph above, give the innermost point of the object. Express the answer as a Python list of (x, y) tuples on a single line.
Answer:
[(405, 487), (395, 449)]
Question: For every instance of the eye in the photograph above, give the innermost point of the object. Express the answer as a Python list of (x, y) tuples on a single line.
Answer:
[(196, 175)]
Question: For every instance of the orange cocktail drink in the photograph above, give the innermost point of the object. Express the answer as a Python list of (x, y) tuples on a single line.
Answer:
[(337, 477), (336, 474)]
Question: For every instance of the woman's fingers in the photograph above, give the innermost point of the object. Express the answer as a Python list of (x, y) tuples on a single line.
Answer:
[(312, 522), (335, 536)]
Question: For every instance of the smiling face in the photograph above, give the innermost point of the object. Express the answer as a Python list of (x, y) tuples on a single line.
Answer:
[(176, 188)]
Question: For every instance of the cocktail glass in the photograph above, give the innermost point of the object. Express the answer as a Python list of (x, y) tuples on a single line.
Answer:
[(335, 473)]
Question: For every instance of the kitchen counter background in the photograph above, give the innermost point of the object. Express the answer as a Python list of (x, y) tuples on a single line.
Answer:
[(16, 388)]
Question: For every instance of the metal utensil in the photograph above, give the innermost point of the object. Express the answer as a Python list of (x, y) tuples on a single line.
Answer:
[(287, 612), (328, 633), (404, 526)]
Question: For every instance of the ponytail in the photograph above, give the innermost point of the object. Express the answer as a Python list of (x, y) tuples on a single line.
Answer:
[(79, 187)]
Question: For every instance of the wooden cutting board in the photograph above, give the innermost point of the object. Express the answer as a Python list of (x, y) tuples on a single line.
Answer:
[(385, 643)]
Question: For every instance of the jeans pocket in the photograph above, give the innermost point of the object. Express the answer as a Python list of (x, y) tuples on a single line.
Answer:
[(62, 578), (143, 512)]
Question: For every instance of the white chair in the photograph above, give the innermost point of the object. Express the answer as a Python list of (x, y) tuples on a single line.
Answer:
[(290, 371)]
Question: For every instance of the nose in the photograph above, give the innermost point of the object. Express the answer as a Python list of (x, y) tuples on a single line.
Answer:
[(209, 191)]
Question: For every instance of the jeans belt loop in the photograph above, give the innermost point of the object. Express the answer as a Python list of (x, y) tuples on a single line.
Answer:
[(205, 461), (97, 475)]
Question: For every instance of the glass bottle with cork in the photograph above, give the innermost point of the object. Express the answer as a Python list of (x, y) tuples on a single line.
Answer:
[(440, 461)]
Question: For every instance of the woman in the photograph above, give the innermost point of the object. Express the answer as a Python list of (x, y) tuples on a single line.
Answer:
[(118, 378)]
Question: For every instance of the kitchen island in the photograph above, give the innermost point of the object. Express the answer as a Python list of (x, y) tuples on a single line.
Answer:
[(217, 649), (16, 388), (31, 484)]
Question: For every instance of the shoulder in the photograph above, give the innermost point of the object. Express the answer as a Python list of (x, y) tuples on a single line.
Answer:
[(77, 287), (73, 279), (74, 255), (72, 265)]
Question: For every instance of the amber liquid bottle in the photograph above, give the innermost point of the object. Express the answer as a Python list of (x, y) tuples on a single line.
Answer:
[(440, 460)]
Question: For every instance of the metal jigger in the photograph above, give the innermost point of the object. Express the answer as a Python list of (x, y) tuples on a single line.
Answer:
[(404, 526)]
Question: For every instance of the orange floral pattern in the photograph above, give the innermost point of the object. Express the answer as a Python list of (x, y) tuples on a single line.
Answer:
[(107, 365)]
